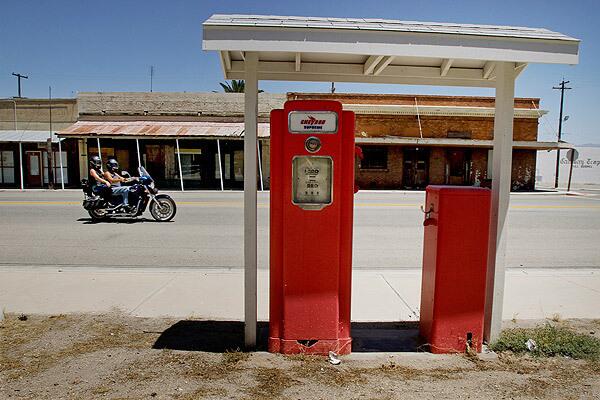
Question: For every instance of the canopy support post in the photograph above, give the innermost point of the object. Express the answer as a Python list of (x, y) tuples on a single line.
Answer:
[(137, 145), (501, 182), (262, 188), (179, 162), (62, 177), (21, 165), (99, 152), (220, 165), (250, 262)]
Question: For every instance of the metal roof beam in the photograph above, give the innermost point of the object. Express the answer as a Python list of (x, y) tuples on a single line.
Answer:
[(370, 64), (383, 65), (488, 68), (445, 67), (519, 67), (340, 72)]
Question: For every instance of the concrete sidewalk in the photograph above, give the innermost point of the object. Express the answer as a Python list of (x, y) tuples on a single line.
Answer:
[(378, 295)]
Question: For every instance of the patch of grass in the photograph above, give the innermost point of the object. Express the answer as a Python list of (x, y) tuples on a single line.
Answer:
[(550, 341), (234, 357), (95, 334), (316, 368), (270, 383), (202, 392)]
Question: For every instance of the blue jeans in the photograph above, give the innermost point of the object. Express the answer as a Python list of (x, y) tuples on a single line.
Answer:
[(123, 191)]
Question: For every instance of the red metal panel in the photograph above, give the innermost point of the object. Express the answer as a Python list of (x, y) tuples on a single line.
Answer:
[(454, 267), (311, 250)]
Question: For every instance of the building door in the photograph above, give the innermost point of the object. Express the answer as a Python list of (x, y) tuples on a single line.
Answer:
[(34, 170), (232, 153), (459, 166), (415, 174)]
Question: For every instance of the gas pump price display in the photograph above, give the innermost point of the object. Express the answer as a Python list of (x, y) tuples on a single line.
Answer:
[(312, 181)]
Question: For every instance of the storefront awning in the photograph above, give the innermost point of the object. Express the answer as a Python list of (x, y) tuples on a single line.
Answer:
[(159, 129), (27, 137)]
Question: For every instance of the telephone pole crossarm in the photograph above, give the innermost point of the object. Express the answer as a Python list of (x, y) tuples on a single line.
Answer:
[(19, 76)]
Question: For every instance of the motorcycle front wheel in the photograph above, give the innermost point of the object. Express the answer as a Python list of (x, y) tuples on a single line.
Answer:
[(163, 208)]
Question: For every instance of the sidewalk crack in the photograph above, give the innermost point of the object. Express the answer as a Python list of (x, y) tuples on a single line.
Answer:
[(154, 293), (416, 315)]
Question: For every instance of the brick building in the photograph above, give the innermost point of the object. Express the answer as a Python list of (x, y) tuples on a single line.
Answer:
[(410, 141)]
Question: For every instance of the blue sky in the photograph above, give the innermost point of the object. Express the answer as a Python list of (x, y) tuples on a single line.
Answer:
[(109, 46)]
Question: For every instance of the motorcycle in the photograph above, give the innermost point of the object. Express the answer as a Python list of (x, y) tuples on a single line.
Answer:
[(142, 193)]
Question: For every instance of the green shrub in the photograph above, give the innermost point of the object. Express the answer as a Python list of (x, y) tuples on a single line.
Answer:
[(550, 341)]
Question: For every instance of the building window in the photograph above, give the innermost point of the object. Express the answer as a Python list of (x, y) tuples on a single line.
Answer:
[(56, 167), (375, 157), (191, 164), (7, 167)]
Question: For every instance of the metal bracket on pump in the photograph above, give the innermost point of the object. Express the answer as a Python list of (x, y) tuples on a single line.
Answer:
[(428, 219)]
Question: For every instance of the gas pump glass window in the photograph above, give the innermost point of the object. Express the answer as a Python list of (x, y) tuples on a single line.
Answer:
[(312, 181)]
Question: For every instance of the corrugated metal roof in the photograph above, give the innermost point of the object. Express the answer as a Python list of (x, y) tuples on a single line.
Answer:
[(384, 25), (27, 136), (160, 129)]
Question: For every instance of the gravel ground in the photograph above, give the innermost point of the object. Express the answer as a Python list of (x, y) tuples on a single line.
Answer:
[(113, 356)]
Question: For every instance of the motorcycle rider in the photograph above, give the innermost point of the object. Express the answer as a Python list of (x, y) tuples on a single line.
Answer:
[(99, 185), (111, 175)]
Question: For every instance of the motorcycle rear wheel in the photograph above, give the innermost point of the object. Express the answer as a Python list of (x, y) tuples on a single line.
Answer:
[(98, 215), (163, 208)]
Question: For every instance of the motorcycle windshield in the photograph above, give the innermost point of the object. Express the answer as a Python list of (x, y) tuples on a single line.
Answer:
[(143, 172)]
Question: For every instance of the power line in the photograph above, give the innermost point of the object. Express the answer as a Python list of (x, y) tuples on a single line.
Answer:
[(562, 89)]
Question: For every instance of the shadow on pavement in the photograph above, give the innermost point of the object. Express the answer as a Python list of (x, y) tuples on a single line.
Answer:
[(90, 221), (222, 336)]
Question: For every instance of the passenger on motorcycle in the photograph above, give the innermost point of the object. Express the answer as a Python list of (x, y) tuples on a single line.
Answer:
[(99, 185), (111, 174)]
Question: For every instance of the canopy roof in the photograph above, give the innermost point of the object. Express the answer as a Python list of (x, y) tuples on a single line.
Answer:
[(27, 136), (378, 50)]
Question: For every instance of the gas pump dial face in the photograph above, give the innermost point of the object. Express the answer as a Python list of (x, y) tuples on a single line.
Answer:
[(312, 144), (312, 181)]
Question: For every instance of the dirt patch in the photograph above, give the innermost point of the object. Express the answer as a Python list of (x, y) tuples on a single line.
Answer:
[(112, 357)]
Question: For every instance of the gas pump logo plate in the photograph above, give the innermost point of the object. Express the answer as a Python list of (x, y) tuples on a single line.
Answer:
[(313, 122), (312, 182)]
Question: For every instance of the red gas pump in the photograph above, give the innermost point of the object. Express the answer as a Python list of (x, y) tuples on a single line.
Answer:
[(312, 189), (457, 221)]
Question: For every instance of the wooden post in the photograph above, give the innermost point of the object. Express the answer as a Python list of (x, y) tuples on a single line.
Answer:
[(501, 180), (250, 242)]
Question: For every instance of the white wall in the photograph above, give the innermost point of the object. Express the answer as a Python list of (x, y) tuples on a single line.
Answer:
[(586, 168)]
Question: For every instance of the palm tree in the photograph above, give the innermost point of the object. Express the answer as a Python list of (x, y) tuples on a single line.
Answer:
[(236, 86)]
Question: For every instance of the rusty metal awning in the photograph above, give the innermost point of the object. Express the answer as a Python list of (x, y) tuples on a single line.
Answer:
[(159, 129)]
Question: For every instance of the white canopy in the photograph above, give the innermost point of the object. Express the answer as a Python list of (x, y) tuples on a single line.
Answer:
[(254, 47), (379, 51)]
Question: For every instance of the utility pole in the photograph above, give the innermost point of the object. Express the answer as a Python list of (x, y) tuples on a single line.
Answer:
[(49, 153), (151, 76), (562, 89), (19, 76)]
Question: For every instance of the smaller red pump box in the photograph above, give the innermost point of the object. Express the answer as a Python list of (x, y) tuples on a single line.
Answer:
[(455, 250)]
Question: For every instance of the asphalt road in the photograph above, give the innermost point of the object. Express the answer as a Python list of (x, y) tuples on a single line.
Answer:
[(52, 229)]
